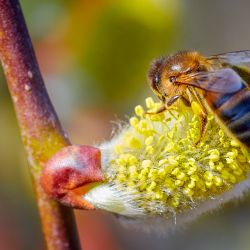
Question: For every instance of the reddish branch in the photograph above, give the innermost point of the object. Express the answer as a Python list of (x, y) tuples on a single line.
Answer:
[(40, 128)]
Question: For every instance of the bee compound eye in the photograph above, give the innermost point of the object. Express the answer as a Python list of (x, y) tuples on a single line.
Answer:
[(156, 80)]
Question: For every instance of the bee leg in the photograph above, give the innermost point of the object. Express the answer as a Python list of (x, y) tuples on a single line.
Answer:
[(172, 100), (199, 110), (203, 128), (186, 101), (166, 106), (160, 110)]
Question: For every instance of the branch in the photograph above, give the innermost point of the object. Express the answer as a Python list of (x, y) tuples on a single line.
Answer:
[(41, 131)]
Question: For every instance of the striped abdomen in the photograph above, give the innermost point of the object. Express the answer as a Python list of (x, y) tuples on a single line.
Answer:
[(234, 110)]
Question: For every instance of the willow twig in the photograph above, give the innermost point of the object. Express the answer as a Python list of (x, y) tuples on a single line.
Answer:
[(41, 131)]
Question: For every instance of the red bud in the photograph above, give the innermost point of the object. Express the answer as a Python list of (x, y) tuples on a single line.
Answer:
[(67, 175)]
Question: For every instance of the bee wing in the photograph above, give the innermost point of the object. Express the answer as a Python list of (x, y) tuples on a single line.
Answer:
[(220, 81), (236, 57)]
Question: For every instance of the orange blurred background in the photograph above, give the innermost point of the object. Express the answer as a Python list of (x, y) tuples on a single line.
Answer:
[(94, 56)]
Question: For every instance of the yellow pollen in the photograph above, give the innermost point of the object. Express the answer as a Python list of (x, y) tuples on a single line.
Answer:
[(157, 162)]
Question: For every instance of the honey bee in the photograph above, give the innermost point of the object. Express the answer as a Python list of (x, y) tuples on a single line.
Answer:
[(215, 84)]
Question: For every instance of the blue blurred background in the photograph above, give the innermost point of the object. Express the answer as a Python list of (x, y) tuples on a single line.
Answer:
[(94, 56)]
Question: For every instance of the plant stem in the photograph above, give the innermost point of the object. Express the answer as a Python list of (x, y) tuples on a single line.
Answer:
[(41, 131)]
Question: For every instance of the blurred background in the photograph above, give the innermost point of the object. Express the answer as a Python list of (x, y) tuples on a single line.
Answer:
[(94, 56)]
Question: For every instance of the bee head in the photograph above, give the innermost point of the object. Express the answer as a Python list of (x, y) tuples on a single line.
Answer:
[(164, 72)]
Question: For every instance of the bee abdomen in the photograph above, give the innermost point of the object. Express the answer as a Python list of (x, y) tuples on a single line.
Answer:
[(241, 129), (235, 112)]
